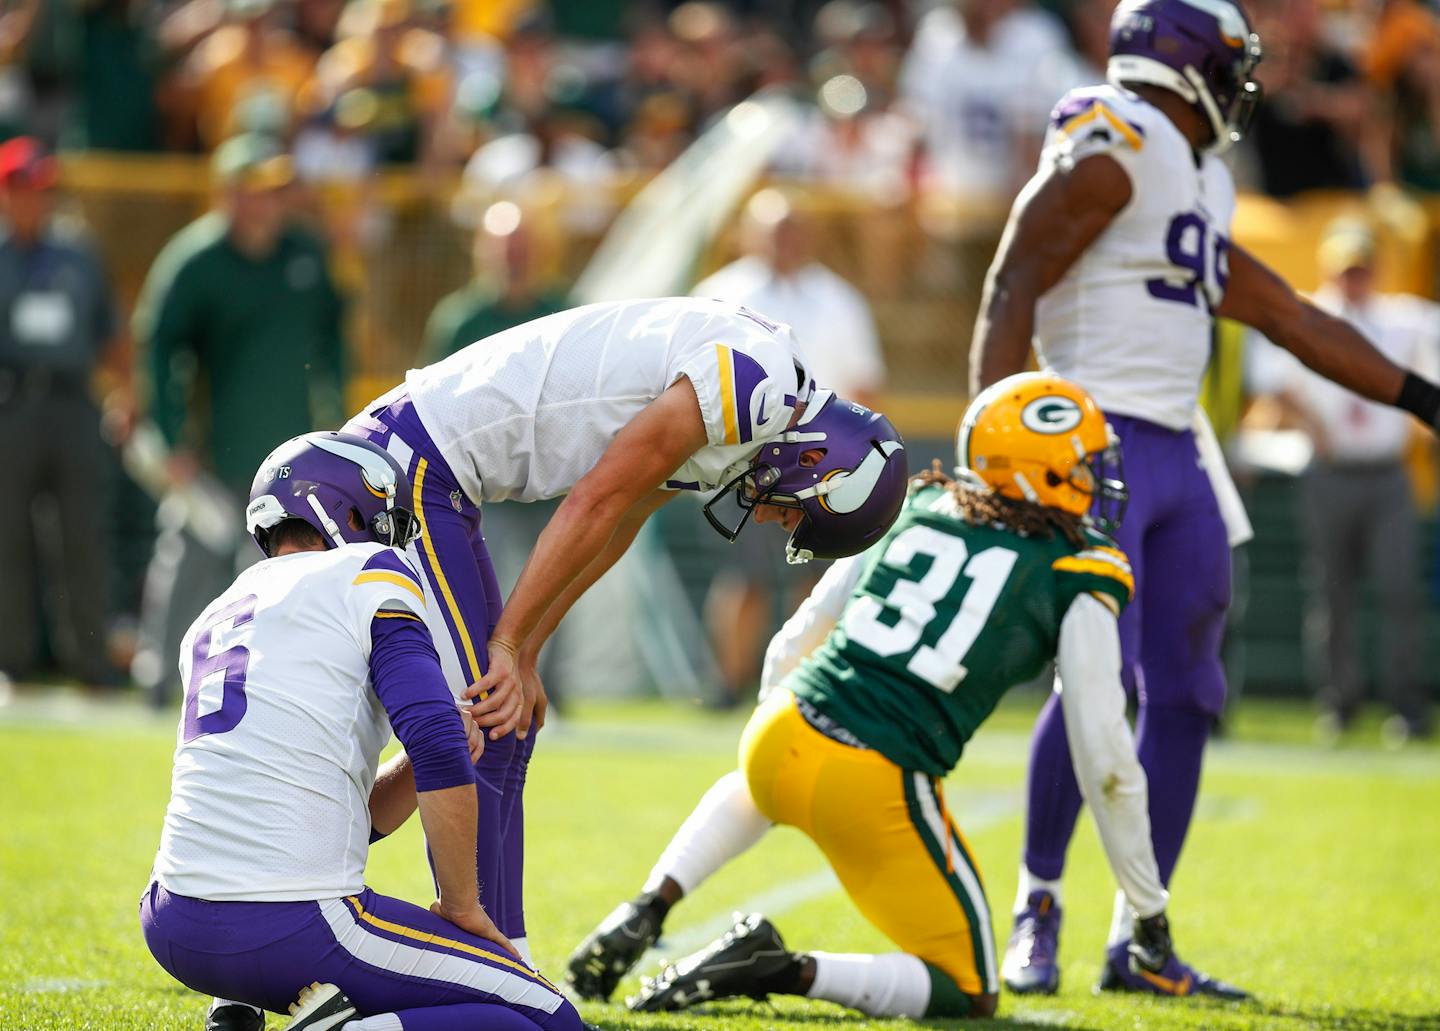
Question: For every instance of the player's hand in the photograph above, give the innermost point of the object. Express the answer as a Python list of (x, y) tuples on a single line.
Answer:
[(474, 736), (498, 696), (474, 919), (536, 703), (1150, 945)]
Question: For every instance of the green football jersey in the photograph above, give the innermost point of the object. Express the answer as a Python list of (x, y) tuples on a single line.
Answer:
[(945, 618)]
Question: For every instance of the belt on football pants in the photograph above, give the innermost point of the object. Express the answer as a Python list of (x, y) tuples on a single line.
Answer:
[(827, 725)]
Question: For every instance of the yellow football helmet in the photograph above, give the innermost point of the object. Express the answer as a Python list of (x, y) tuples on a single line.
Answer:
[(1039, 438)]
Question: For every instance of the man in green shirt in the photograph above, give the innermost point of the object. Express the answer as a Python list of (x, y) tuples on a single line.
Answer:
[(240, 325), (505, 291), (873, 689)]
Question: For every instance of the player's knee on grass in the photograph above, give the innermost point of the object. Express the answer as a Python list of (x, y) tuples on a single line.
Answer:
[(948, 999)]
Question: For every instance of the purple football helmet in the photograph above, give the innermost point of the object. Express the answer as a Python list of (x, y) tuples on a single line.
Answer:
[(334, 482), (1203, 50), (847, 500)]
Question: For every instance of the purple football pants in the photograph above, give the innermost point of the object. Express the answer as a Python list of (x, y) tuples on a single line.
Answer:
[(1170, 636), (386, 955), (461, 584)]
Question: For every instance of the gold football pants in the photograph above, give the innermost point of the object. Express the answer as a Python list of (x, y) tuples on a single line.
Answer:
[(887, 836)]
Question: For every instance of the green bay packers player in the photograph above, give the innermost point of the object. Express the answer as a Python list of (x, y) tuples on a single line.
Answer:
[(874, 687)]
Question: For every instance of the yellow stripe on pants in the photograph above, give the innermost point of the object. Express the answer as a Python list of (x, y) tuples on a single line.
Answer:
[(455, 614)]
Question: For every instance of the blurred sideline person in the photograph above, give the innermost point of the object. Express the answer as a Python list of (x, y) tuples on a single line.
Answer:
[(240, 325), (1359, 512), (615, 407), (504, 290), (296, 676), (779, 275), (875, 686), (1115, 262), (57, 325)]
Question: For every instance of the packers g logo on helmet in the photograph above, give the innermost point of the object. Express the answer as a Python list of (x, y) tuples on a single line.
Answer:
[(1036, 437), (1054, 414)]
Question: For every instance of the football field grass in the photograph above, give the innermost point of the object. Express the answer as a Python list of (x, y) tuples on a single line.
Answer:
[(1312, 876)]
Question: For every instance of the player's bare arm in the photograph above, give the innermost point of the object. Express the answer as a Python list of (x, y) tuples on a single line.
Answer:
[(1332, 347), (449, 818), (643, 455), (392, 799), (1054, 220), (536, 702)]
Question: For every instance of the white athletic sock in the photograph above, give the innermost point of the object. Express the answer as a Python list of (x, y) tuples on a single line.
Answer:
[(1029, 883), (217, 1002), (522, 945), (893, 985), (723, 825), (1122, 921), (379, 1022)]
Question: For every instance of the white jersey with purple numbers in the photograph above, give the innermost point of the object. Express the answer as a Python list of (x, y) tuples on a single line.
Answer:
[(1131, 320), (281, 733), (524, 414)]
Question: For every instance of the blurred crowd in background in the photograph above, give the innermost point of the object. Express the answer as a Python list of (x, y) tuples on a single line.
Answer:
[(943, 97), (230, 221)]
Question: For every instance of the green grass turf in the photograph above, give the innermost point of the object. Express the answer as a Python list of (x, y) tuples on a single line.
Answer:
[(1311, 875)]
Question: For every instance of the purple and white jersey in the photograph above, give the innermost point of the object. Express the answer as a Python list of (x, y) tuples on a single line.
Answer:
[(281, 732), (525, 413), (1131, 320)]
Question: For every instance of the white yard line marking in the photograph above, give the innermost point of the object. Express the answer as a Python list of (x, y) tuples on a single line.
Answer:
[(59, 985)]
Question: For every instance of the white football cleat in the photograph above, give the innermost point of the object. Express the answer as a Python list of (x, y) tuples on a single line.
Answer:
[(321, 1007)]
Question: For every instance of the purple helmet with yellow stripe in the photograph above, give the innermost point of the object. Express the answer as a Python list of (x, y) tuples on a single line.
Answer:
[(1204, 50), (343, 486), (847, 499)]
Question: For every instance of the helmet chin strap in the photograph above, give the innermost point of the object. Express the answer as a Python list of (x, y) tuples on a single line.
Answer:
[(1224, 136), (330, 527), (797, 556)]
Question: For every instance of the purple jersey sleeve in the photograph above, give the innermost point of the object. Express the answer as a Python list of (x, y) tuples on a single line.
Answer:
[(405, 672)]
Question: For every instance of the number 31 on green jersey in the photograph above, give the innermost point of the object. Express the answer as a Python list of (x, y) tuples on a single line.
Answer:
[(943, 664)]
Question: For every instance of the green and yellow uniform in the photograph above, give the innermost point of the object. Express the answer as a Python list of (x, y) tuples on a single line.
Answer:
[(944, 618), (259, 339)]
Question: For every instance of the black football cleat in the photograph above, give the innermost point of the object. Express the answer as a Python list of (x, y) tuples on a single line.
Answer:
[(234, 1016), (749, 960), (610, 951), (321, 1007)]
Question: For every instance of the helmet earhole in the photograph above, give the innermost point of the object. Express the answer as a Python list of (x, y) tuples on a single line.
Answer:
[(1052, 479), (356, 523)]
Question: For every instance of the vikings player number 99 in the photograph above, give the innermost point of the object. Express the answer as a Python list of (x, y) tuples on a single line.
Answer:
[(1194, 247)]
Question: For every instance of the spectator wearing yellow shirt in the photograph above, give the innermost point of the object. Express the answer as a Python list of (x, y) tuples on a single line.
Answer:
[(247, 75), (390, 77)]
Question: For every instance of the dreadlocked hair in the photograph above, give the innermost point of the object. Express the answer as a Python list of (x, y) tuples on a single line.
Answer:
[(983, 507)]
